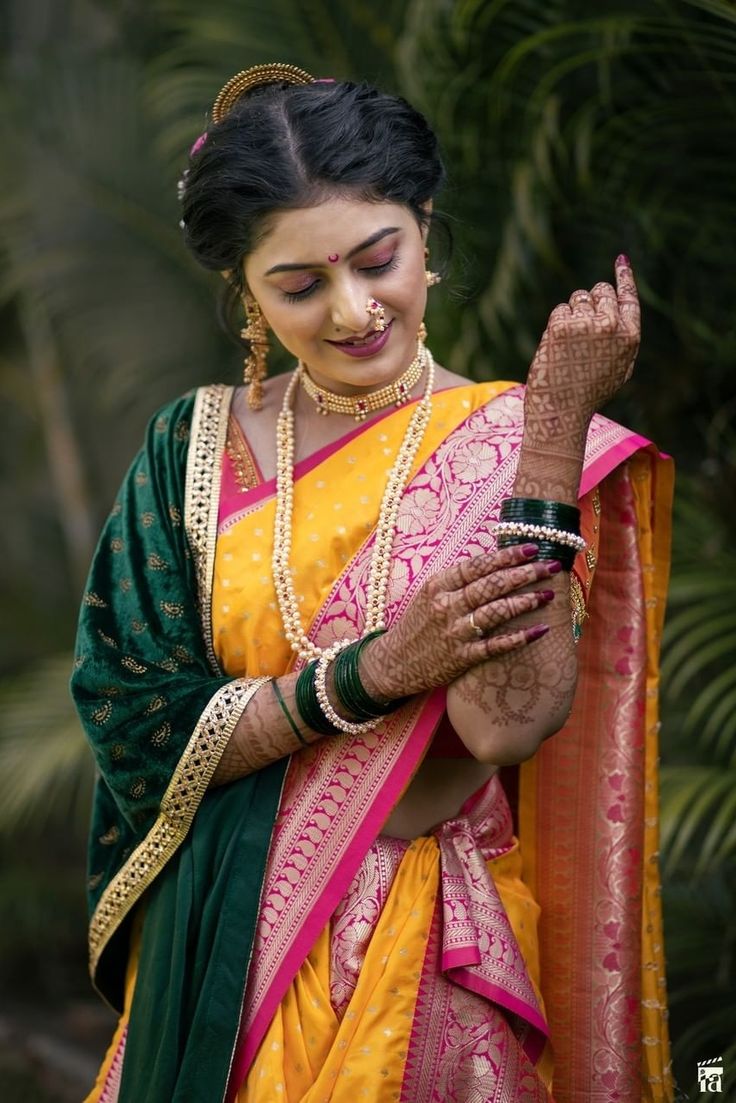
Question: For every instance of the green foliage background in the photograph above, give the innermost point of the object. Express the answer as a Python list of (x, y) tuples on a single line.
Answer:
[(572, 131)]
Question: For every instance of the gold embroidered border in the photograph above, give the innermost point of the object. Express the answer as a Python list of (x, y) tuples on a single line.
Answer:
[(244, 468), (202, 494), (188, 785)]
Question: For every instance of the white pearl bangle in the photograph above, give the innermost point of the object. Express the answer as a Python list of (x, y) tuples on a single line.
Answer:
[(560, 536), (320, 686)]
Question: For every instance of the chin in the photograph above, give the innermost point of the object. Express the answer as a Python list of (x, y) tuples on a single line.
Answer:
[(370, 371)]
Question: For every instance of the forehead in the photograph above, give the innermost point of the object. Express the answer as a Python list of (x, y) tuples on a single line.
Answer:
[(333, 226)]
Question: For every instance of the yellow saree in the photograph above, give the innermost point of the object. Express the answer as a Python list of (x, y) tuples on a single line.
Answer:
[(356, 1022)]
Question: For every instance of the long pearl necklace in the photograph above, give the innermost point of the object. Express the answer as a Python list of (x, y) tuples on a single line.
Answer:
[(385, 529)]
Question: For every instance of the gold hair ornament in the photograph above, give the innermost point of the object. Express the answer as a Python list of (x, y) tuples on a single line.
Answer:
[(275, 72)]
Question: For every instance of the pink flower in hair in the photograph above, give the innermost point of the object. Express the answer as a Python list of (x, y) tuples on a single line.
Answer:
[(198, 144)]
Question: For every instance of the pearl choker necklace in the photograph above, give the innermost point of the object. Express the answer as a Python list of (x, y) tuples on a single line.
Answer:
[(359, 406), (385, 529)]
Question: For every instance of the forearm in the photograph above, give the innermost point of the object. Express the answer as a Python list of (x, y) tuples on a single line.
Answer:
[(263, 733), (504, 708)]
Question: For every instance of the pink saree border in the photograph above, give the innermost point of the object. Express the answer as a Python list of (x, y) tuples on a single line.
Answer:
[(338, 794)]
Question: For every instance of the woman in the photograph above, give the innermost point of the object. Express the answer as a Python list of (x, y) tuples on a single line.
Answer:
[(305, 883)]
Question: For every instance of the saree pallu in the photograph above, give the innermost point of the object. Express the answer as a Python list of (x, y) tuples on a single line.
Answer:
[(337, 795)]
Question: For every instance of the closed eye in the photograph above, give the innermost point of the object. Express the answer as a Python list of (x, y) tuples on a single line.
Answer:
[(377, 269), (369, 270), (296, 296)]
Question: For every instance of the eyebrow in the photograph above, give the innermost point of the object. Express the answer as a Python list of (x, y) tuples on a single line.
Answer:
[(378, 236)]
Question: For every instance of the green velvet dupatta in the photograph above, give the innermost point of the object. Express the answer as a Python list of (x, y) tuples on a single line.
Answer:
[(158, 713)]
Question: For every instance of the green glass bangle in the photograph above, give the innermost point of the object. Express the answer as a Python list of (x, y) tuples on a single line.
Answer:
[(539, 511), (308, 704), (287, 714), (349, 688), (564, 508)]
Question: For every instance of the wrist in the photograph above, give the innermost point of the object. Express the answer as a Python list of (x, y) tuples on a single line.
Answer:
[(373, 667), (550, 417), (544, 473)]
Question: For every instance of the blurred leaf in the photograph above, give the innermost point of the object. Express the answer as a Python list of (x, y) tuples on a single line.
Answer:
[(46, 769)]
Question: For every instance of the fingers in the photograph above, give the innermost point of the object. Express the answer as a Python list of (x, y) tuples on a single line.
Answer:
[(581, 304), (614, 303), (479, 566), (501, 583), (482, 621), (628, 296), (605, 301), (560, 313), (501, 645)]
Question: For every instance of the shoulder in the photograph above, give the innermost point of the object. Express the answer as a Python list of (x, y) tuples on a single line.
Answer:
[(174, 418)]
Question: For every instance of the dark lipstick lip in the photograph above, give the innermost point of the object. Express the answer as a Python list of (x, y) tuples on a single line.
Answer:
[(364, 350)]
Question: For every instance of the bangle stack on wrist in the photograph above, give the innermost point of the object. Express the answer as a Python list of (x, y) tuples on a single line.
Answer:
[(553, 526), (351, 692), (314, 704), (307, 702)]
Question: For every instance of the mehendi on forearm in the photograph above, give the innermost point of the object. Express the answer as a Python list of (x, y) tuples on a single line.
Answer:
[(504, 708), (263, 733)]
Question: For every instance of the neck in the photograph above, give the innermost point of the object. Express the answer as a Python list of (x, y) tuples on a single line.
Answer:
[(362, 401)]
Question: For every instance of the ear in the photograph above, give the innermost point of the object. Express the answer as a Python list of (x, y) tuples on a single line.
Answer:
[(226, 274), (427, 208)]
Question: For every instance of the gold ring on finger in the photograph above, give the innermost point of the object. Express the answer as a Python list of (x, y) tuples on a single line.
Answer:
[(476, 628), (580, 297)]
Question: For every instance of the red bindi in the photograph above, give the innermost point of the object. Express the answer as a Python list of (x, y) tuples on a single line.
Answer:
[(333, 258)]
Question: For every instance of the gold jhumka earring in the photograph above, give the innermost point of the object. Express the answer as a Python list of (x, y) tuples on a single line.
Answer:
[(255, 367), (432, 278)]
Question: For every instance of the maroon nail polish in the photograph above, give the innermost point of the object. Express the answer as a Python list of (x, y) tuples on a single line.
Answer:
[(554, 566), (529, 550), (546, 595), (623, 261), (537, 632)]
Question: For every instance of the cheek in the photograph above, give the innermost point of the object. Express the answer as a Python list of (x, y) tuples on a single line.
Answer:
[(293, 324), (409, 291)]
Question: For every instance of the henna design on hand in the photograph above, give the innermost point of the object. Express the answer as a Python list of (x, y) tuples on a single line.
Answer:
[(433, 643), (586, 354)]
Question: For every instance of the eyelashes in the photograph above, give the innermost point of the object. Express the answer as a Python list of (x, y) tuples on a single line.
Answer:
[(371, 272)]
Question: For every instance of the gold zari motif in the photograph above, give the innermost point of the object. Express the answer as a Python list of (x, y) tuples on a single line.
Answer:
[(133, 665), (238, 452), (94, 600)]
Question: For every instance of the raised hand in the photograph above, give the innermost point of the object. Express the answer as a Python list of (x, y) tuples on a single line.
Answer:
[(436, 640), (586, 354)]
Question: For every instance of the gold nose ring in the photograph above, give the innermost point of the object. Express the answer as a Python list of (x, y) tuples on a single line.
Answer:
[(376, 311)]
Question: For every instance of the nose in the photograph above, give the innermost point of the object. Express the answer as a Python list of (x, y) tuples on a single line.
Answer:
[(348, 306)]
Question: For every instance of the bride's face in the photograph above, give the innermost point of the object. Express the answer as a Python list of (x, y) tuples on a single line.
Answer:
[(314, 273)]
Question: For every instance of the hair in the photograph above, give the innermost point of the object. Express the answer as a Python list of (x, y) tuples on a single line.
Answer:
[(284, 147)]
